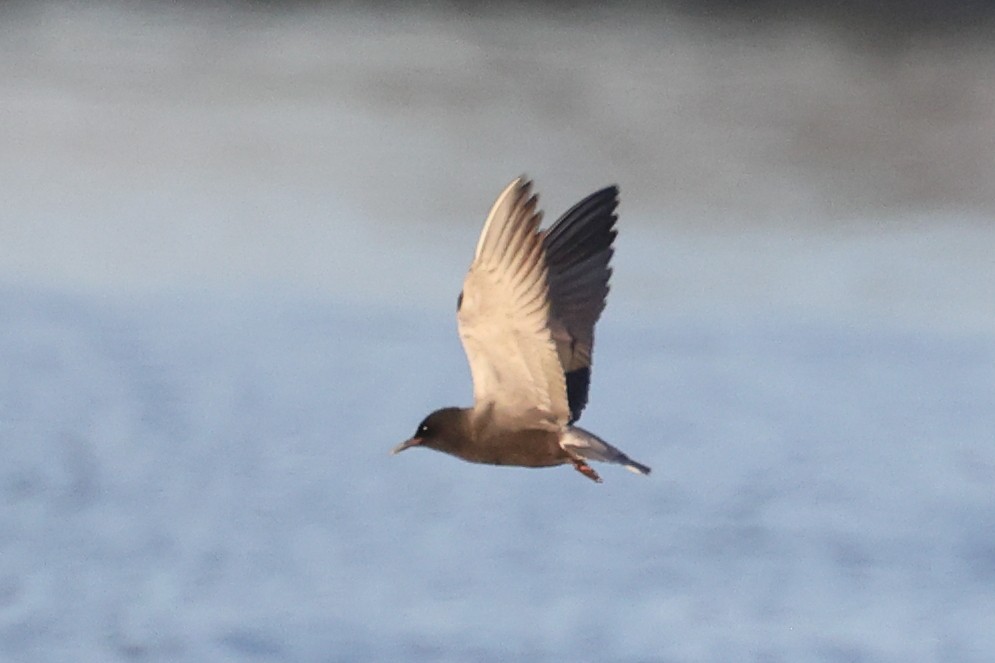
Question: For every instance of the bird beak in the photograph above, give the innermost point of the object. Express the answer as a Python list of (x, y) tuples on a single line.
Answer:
[(415, 441)]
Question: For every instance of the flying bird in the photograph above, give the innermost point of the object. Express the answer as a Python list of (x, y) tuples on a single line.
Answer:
[(526, 317)]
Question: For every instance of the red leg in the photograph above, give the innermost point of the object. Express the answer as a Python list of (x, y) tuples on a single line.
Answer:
[(586, 470)]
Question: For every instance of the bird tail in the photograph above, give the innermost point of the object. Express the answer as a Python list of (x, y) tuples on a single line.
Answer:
[(589, 446)]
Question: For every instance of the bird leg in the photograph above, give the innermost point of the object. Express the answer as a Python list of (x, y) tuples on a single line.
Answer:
[(585, 469)]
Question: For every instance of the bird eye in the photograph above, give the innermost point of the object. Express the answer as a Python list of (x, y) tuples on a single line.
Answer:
[(422, 430)]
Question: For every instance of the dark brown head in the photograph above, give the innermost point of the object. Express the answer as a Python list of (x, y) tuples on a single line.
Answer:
[(445, 430)]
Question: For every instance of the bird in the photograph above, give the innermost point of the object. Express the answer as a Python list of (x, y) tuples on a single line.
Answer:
[(526, 317)]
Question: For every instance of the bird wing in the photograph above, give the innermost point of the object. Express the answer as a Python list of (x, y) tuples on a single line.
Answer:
[(503, 318), (578, 251)]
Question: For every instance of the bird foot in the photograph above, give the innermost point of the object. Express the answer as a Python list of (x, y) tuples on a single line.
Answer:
[(586, 470)]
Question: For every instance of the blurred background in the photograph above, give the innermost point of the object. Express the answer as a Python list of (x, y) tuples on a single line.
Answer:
[(231, 240)]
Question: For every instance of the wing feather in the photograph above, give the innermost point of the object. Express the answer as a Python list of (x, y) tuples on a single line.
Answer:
[(578, 255), (504, 316)]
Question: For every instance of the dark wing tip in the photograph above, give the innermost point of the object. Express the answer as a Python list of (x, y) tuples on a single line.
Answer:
[(585, 229), (578, 381)]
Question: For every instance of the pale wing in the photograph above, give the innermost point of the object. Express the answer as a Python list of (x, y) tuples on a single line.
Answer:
[(504, 317), (578, 252)]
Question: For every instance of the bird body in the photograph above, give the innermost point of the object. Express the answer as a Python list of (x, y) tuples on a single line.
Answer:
[(526, 318)]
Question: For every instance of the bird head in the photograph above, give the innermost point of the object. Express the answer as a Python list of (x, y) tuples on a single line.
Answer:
[(443, 430)]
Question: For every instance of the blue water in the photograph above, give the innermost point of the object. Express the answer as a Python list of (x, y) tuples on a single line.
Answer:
[(206, 478)]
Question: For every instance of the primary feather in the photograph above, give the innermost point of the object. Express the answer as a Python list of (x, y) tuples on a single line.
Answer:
[(504, 318)]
